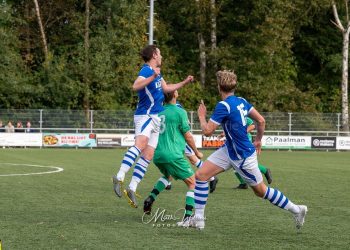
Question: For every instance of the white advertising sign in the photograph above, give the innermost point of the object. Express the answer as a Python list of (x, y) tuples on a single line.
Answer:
[(128, 140), (296, 142), (343, 142), (20, 139)]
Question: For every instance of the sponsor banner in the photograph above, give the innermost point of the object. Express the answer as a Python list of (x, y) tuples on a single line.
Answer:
[(282, 142), (108, 140), (20, 139), (115, 140), (323, 142), (343, 142), (128, 140), (68, 140), (212, 141)]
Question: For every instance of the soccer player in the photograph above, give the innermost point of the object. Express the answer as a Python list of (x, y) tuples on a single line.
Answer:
[(150, 87), (195, 161), (264, 170), (238, 152), (169, 155)]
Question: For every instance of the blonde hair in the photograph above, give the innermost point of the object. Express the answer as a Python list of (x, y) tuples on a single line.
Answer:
[(227, 80)]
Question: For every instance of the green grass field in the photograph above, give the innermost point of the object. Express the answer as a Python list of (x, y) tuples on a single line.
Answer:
[(77, 208)]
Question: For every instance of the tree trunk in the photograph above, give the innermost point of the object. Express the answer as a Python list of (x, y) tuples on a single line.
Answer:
[(213, 33), (42, 32), (86, 101), (344, 84), (201, 43), (28, 56), (345, 54), (202, 58)]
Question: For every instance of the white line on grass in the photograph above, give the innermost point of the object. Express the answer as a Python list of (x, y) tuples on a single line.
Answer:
[(57, 169)]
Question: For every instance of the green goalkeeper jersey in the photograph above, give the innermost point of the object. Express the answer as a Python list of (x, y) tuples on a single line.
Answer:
[(171, 144)]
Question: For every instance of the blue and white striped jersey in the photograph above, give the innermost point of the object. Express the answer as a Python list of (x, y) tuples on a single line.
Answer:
[(151, 97), (231, 114)]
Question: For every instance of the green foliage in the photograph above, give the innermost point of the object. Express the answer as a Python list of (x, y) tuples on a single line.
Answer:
[(192, 94), (287, 54), (15, 87)]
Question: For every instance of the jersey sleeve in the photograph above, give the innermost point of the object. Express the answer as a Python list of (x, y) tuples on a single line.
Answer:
[(221, 111), (146, 72), (247, 105), (184, 126)]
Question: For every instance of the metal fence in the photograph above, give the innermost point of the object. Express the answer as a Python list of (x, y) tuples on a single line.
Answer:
[(104, 121)]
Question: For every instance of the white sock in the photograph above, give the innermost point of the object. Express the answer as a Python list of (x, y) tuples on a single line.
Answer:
[(199, 213)]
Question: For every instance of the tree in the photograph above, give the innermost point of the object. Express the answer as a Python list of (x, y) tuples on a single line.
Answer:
[(213, 13), (16, 89), (86, 98), (345, 62), (201, 42), (42, 31)]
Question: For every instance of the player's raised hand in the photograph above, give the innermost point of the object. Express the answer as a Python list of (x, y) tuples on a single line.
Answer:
[(202, 110), (189, 79), (257, 145)]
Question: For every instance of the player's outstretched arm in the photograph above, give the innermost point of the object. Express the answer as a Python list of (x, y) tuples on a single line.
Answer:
[(172, 87), (260, 121), (208, 128), (190, 141)]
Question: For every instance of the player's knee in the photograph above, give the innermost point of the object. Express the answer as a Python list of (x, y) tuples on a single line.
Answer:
[(191, 186), (200, 176), (191, 183), (141, 142)]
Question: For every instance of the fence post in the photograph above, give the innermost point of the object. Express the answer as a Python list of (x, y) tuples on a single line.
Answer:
[(191, 121), (338, 125), (290, 127), (91, 120), (76, 131), (41, 120), (290, 123)]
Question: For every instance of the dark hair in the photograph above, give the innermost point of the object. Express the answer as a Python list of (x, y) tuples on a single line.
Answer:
[(168, 96), (148, 52)]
